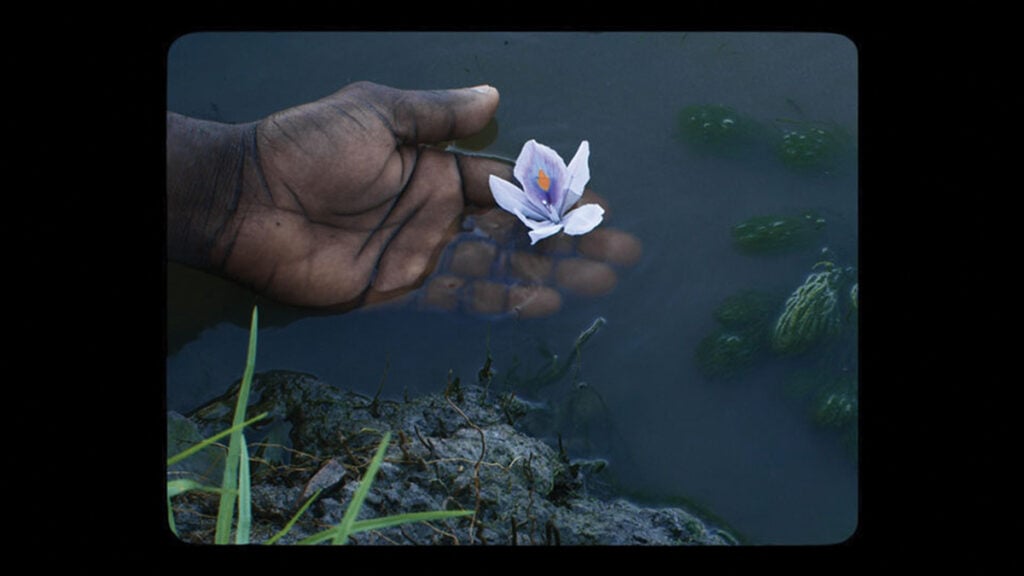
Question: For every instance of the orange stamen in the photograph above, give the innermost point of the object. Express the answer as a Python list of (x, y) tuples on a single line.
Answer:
[(542, 180)]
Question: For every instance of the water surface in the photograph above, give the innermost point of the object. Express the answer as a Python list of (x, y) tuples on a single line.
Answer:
[(743, 449)]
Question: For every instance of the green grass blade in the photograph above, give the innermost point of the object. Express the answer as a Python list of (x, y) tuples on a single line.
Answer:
[(244, 497), (385, 522), (318, 537), (348, 525), (170, 516), (203, 444), (230, 480), (295, 518), (388, 521), (182, 485), (345, 527)]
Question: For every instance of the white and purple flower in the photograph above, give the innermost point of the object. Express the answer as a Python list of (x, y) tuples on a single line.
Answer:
[(550, 189)]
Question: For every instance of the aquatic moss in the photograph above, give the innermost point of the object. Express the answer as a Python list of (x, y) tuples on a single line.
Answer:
[(767, 234), (810, 313), (812, 146)]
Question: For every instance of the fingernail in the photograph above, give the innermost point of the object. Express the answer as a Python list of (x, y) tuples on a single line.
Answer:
[(482, 89)]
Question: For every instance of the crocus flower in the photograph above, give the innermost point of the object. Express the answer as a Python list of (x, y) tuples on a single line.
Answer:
[(550, 188)]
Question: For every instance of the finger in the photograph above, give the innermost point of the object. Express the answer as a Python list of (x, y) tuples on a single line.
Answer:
[(612, 246), (476, 172), (426, 116), (479, 278), (488, 298)]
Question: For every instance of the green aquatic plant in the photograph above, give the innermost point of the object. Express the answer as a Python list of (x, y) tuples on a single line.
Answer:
[(810, 314), (769, 234), (746, 310), (835, 405), (744, 319), (235, 480), (716, 128), (827, 390), (812, 146), (820, 314), (801, 145), (723, 354)]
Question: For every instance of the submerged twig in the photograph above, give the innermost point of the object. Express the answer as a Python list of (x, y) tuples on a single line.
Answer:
[(557, 371), (476, 467), (374, 404)]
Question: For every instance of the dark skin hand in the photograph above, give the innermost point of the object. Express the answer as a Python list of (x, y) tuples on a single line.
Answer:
[(342, 202)]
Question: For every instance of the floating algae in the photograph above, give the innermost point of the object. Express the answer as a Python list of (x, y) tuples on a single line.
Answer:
[(810, 313), (766, 234)]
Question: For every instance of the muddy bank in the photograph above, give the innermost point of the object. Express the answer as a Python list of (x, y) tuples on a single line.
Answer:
[(454, 450)]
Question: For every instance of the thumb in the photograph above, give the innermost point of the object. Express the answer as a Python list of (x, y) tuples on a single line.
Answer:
[(426, 116)]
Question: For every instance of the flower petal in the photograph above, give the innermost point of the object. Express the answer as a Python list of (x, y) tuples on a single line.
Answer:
[(531, 223), (578, 174), (583, 219), (542, 232), (541, 172), (512, 199)]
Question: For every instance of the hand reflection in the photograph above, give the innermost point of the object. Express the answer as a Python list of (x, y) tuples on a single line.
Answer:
[(490, 268)]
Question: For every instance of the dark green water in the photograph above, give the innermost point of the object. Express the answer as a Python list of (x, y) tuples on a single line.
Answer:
[(747, 448)]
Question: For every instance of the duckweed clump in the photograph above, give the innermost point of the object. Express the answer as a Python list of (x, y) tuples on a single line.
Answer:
[(772, 234)]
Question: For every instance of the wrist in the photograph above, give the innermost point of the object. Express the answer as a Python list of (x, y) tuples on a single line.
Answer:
[(206, 163)]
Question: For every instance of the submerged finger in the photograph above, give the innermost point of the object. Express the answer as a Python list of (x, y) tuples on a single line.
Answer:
[(612, 246), (476, 172)]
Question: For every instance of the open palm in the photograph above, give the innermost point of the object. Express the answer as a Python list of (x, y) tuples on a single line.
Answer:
[(343, 202)]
